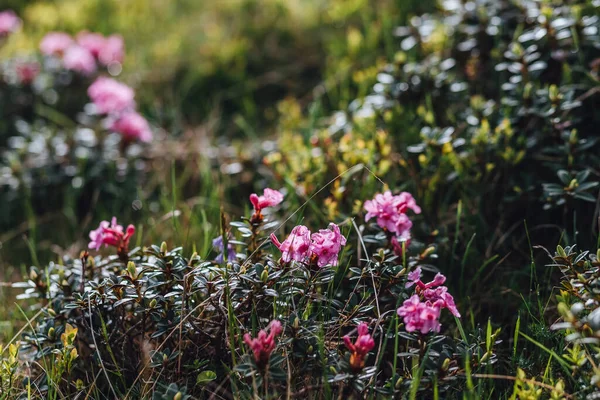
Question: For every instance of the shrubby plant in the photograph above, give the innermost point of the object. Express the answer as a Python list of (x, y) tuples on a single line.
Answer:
[(485, 113), (55, 151), (324, 312)]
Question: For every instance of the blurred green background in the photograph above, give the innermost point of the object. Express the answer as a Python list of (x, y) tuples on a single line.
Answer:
[(193, 60)]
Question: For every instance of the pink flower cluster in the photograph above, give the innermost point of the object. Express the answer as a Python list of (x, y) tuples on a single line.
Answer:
[(263, 345), (84, 53), (9, 22), (111, 234), (110, 96), (303, 246), (117, 101), (360, 348), (390, 211), (421, 312)]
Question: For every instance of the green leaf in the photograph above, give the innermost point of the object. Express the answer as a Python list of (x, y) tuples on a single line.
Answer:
[(206, 376)]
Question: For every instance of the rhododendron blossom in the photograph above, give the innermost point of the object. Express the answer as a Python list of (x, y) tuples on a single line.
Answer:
[(420, 316), (302, 246), (9, 22), (110, 96), (91, 41), (263, 345), (360, 348), (132, 126), (269, 198), (296, 246), (78, 59), (111, 234), (55, 43), (27, 72), (433, 291), (112, 51), (390, 211), (422, 310), (326, 244)]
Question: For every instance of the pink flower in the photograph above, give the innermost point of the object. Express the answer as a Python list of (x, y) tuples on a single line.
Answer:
[(326, 244), (420, 316), (264, 344), (113, 50), (55, 43), (92, 42), (27, 71), (433, 291), (301, 246), (441, 296), (390, 212), (9, 22), (111, 235), (414, 277), (360, 348), (111, 96), (296, 246), (269, 198), (409, 200), (386, 208), (132, 126), (78, 59)]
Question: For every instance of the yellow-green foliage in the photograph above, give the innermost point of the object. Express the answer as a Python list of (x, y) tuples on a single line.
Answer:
[(205, 36), (310, 164)]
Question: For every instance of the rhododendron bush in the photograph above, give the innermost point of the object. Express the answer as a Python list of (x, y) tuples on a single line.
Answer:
[(67, 122), (210, 318), (384, 236)]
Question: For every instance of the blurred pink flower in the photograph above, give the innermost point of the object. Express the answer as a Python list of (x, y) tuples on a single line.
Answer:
[(409, 200), (111, 235), (269, 198), (9, 22), (420, 316), (296, 246), (132, 126), (112, 51), (78, 59), (326, 245), (111, 96), (27, 71), (55, 43), (360, 348), (91, 41), (264, 344)]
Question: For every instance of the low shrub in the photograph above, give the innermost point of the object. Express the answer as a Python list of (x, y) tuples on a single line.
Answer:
[(320, 313)]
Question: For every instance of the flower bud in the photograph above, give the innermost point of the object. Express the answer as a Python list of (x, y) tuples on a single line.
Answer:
[(264, 276), (163, 247), (153, 303), (398, 383), (446, 364), (131, 270)]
